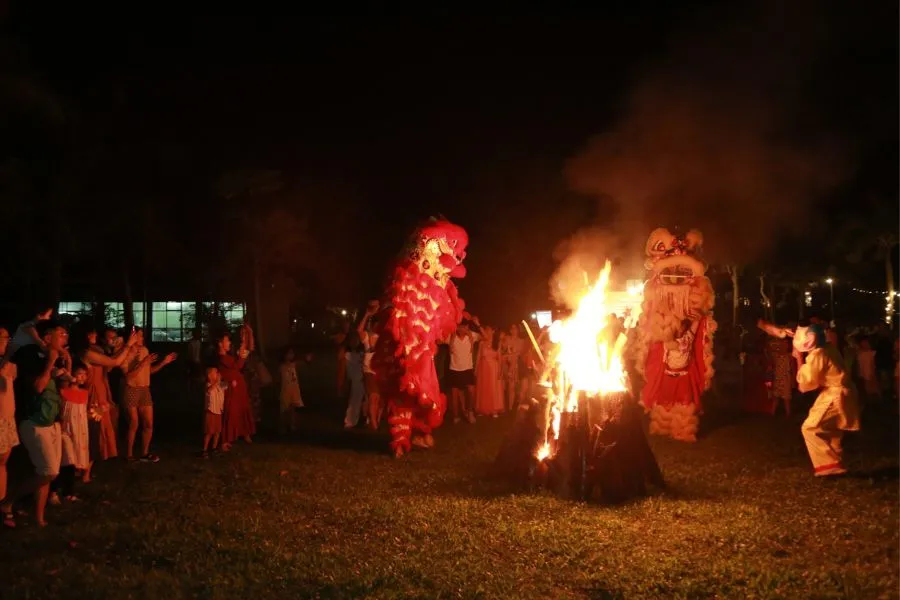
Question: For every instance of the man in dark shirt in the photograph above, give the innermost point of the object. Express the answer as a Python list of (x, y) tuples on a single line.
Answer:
[(30, 362), (38, 408)]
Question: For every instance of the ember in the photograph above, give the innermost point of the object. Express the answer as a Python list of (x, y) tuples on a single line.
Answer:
[(583, 436)]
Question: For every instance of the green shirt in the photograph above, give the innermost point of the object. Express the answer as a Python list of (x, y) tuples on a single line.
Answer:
[(45, 407)]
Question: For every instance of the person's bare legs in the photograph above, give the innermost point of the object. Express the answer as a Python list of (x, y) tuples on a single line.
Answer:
[(146, 414), (470, 403), (374, 411), (524, 389), (3, 459), (456, 396), (40, 502), (39, 485), (132, 431), (86, 476)]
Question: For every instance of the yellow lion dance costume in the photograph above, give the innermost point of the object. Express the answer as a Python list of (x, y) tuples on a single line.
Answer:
[(673, 348)]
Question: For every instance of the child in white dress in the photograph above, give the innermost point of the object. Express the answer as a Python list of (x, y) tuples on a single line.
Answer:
[(215, 405), (290, 398)]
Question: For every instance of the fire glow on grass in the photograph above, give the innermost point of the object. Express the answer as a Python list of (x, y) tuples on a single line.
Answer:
[(584, 360)]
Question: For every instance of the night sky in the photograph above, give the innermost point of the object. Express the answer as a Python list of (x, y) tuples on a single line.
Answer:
[(379, 122)]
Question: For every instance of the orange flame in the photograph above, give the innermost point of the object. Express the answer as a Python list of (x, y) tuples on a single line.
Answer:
[(585, 359)]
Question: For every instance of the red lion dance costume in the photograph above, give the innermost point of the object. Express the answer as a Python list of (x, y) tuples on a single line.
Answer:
[(674, 344), (422, 308)]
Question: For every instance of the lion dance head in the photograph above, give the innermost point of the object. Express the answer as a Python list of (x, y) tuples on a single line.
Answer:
[(439, 249)]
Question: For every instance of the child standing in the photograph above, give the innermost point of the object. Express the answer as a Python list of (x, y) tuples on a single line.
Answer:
[(366, 331), (290, 392), (75, 420), (215, 403)]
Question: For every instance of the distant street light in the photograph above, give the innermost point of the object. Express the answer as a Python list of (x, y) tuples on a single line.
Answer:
[(830, 283)]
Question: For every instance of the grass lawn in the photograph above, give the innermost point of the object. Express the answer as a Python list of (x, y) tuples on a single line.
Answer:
[(329, 515)]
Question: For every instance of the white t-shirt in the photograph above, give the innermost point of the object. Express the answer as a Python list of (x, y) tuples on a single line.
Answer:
[(215, 398), (461, 358), (290, 386)]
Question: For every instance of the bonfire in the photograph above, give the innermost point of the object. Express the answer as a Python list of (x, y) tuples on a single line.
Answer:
[(588, 428)]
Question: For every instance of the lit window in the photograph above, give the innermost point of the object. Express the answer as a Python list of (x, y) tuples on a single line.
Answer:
[(218, 315), (172, 321), (745, 301), (75, 308), (115, 314), (234, 313)]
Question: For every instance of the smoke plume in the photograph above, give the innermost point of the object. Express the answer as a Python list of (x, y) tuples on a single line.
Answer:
[(716, 137)]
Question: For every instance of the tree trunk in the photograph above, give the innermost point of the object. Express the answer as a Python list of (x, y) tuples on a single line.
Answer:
[(889, 271), (148, 317), (56, 280), (198, 317), (772, 295), (29, 299), (129, 298), (257, 309), (735, 293), (768, 309)]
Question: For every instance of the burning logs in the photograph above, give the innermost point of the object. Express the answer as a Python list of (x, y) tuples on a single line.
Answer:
[(621, 463), (601, 450)]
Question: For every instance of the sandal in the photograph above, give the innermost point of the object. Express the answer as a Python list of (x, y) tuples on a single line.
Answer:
[(72, 498), (150, 458)]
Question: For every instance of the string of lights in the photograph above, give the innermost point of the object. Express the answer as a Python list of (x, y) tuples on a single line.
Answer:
[(880, 292)]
